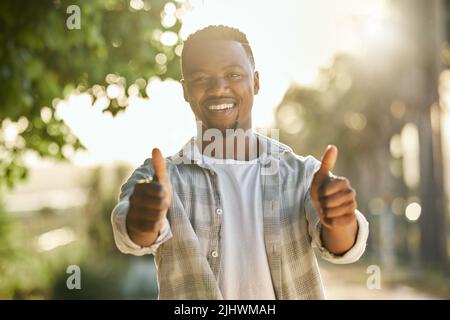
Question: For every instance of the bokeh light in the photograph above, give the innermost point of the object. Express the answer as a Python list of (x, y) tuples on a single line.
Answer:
[(413, 211)]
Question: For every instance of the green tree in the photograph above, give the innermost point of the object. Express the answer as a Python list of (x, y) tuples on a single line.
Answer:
[(360, 105), (430, 34), (351, 109), (119, 42)]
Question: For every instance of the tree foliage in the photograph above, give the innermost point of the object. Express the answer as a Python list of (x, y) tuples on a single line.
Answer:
[(43, 61)]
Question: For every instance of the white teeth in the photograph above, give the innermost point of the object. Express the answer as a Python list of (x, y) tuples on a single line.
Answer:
[(221, 106)]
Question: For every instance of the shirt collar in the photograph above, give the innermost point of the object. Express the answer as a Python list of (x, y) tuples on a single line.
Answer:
[(271, 150)]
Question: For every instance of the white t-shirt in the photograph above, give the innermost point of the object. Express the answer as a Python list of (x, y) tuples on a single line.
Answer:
[(244, 272)]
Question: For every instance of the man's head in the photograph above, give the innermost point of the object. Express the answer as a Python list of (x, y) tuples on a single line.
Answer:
[(219, 77)]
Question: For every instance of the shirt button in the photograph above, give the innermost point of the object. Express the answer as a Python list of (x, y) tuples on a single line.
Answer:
[(214, 254), (211, 172), (219, 211)]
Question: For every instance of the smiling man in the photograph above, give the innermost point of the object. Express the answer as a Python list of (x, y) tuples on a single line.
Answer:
[(235, 214)]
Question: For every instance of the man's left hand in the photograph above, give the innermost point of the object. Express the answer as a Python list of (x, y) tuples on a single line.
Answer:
[(333, 196)]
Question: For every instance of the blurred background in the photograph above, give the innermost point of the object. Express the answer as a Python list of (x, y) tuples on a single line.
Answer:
[(84, 101)]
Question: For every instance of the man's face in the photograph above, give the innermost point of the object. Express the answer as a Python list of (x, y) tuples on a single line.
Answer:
[(219, 84)]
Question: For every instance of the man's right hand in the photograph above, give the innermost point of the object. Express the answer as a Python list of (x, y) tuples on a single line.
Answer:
[(149, 204)]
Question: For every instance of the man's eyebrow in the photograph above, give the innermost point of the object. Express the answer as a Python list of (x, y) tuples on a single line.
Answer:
[(234, 66), (199, 70), (195, 70)]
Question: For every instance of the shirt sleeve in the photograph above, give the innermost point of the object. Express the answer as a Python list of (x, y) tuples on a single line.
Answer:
[(120, 211), (315, 228)]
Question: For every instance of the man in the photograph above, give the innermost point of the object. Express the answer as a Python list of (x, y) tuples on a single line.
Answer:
[(234, 214)]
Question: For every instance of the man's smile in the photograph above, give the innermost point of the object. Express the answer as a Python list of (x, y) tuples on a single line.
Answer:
[(220, 105)]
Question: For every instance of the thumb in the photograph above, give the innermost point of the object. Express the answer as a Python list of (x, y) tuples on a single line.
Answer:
[(159, 165), (328, 160)]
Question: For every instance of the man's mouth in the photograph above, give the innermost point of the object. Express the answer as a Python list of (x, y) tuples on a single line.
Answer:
[(222, 111), (221, 107)]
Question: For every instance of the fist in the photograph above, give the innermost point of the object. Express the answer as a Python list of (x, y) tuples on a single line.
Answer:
[(150, 200), (333, 196)]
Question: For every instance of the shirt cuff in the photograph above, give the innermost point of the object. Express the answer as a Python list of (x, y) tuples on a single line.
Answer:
[(122, 239), (355, 252)]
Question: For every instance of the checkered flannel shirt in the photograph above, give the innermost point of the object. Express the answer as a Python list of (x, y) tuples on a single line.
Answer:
[(187, 251)]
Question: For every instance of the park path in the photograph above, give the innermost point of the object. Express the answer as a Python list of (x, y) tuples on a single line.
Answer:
[(346, 282)]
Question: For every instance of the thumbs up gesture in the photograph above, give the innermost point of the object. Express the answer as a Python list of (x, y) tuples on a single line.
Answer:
[(333, 196), (149, 204)]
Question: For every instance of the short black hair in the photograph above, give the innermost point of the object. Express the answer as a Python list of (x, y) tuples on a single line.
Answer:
[(218, 32)]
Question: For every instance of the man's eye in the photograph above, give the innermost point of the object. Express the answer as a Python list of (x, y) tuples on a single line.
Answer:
[(235, 75), (200, 79)]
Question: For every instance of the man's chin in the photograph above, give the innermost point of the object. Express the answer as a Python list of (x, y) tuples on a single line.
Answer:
[(222, 127)]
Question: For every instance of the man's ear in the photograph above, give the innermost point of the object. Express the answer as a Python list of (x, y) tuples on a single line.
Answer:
[(256, 82), (185, 95)]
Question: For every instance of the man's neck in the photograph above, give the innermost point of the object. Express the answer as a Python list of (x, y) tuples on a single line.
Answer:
[(236, 144)]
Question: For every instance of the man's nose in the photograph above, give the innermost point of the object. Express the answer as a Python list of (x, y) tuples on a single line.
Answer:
[(218, 85)]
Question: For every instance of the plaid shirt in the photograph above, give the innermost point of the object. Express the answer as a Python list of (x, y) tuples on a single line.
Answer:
[(187, 251)]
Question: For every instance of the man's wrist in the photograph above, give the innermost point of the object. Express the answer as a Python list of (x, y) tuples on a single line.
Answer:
[(339, 239), (144, 238)]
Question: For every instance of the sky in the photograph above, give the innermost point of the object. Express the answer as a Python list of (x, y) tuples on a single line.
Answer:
[(291, 40)]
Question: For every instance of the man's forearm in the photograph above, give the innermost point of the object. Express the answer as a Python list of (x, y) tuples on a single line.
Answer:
[(340, 239)]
